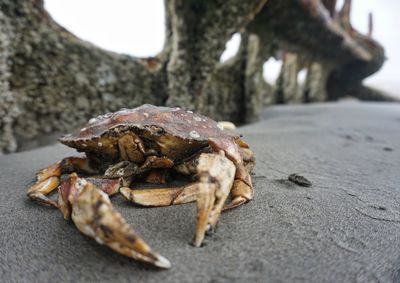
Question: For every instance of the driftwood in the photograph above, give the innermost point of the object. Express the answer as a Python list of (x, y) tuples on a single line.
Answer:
[(52, 81)]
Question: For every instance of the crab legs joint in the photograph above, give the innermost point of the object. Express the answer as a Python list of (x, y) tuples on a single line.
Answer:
[(48, 179)]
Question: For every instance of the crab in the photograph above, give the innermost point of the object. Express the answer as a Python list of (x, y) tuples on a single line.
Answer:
[(147, 144)]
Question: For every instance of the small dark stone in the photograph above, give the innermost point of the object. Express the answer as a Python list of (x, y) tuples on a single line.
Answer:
[(378, 207), (299, 180), (369, 138), (386, 148)]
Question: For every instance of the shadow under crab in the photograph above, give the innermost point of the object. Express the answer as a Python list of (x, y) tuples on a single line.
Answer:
[(147, 144)]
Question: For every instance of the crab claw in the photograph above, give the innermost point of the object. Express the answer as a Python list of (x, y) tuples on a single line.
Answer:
[(93, 214), (216, 175)]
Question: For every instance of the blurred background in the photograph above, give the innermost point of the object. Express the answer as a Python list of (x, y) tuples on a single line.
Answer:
[(65, 61), (137, 28)]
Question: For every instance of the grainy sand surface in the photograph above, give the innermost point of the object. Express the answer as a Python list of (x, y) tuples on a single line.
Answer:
[(344, 228)]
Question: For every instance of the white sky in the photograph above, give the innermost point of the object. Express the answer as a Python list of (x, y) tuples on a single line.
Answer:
[(136, 27)]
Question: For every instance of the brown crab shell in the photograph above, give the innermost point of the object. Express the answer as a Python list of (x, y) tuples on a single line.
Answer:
[(177, 132)]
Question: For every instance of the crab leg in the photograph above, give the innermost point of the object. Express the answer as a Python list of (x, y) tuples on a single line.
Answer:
[(241, 193), (128, 168), (48, 178), (242, 190), (162, 197), (215, 173), (108, 186), (248, 158), (243, 158), (92, 212), (157, 176), (131, 148)]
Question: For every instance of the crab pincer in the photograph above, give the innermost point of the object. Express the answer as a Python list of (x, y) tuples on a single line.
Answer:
[(216, 175), (93, 214)]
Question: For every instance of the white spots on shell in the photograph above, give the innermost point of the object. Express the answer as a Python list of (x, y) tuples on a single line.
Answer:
[(123, 111), (99, 144), (92, 120), (83, 129), (198, 119), (145, 114), (190, 112), (103, 117), (98, 240), (220, 126), (176, 109), (194, 134), (84, 145)]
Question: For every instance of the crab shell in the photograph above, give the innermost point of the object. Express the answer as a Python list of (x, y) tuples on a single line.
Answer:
[(172, 132)]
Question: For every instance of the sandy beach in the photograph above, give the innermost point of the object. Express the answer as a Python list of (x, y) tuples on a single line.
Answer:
[(344, 228)]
